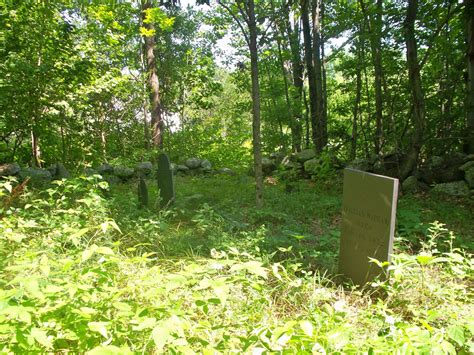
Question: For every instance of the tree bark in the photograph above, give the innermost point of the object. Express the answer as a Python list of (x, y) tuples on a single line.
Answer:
[(469, 18), (297, 74), (418, 101), (287, 96), (35, 148), (356, 109), (375, 32), (157, 125), (257, 149), (321, 129), (308, 51)]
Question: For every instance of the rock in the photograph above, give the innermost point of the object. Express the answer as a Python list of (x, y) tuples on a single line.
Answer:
[(173, 168), (62, 172), (226, 171), (124, 173), (52, 170), (37, 176), (9, 169), (58, 171), (434, 162), (466, 166), (442, 170), (203, 171), (410, 185), (455, 189), (182, 169), (206, 165), (469, 157), (360, 164), (469, 177), (289, 162), (311, 166), (112, 179), (305, 155), (90, 172), (144, 168), (193, 163), (105, 169), (267, 166), (277, 157)]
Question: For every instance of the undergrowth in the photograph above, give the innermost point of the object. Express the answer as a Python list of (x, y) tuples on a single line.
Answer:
[(82, 269)]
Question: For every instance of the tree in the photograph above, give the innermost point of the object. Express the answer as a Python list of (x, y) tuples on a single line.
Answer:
[(469, 18), (243, 12), (418, 100), (150, 15)]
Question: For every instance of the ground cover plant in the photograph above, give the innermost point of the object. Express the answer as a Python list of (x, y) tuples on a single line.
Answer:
[(83, 269)]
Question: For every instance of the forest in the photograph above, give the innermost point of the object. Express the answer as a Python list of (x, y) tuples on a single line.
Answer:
[(171, 175)]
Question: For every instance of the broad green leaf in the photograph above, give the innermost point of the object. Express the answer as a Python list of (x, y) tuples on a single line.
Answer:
[(87, 254), (105, 251), (110, 350), (307, 327), (88, 310), (424, 259), (42, 337), (161, 335), (8, 186), (145, 324), (79, 233), (122, 306), (456, 333), (253, 267), (99, 327)]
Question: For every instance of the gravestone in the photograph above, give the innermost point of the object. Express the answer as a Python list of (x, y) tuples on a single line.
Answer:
[(142, 193), (165, 181), (368, 224)]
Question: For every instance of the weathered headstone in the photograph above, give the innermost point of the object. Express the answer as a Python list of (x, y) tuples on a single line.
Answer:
[(142, 193), (368, 224), (165, 181)]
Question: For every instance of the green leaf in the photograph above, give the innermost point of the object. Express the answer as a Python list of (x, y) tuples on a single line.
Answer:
[(109, 350), (161, 335), (8, 186), (79, 233), (307, 327), (456, 333), (253, 267), (121, 306), (42, 337), (424, 259), (105, 251), (145, 324), (87, 254), (98, 327)]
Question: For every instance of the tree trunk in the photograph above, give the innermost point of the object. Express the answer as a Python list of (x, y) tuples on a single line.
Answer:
[(356, 110), (306, 120), (35, 148), (157, 125), (469, 138), (318, 77), (257, 149), (418, 101), (375, 32), (274, 110), (308, 49), (146, 128), (287, 96), (297, 73)]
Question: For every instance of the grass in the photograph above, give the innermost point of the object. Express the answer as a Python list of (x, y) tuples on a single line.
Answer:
[(82, 271)]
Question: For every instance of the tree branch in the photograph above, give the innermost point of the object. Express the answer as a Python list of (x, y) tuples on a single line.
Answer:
[(435, 35), (236, 20)]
